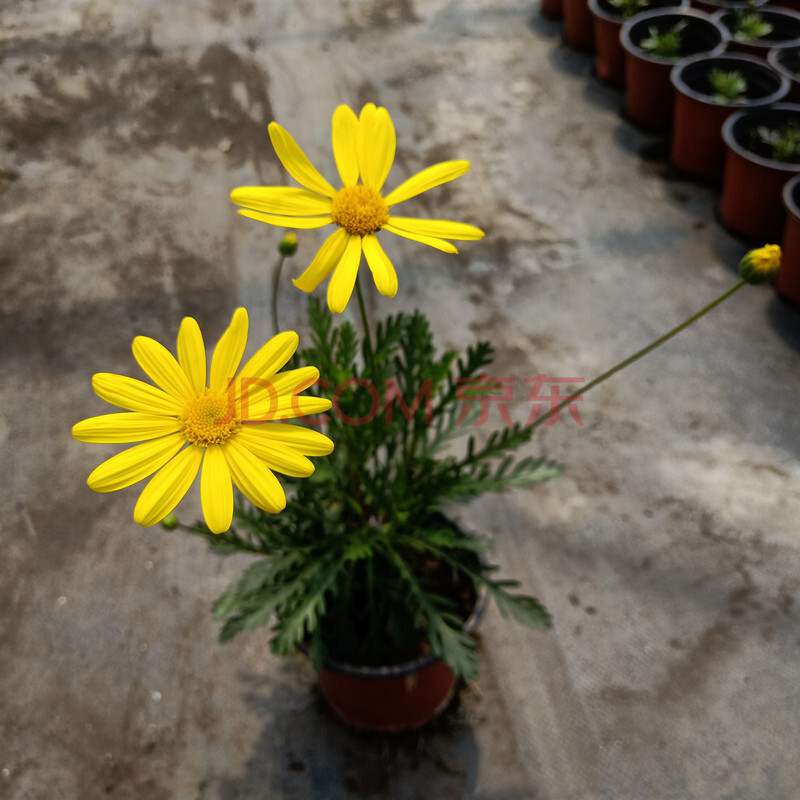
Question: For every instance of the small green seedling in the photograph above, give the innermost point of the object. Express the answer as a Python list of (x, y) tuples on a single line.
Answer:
[(750, 25), (729, 87), (667, 44), (785, 142), (627, 8)]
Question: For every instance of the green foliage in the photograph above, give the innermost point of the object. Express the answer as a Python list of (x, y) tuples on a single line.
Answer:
[(750, 25), (363, 565), (628, 8), (785, 142), (729, 87), (666, 44)]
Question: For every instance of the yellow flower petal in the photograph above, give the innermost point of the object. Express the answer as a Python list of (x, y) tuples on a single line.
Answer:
[(344, 134), (216, 490), (262, 394), (427, 179), (440, 228), (133, 395), (128, 427), (254, 478), (431, 241), (376, 145), (296, 163), (161, 367), (228, 352), (275, 455), (267, 361), (192, 354), (382, 269), (303, 440), (301, 223), (284, 408), (325, 260), (168, 486), (281, 200), (134, 464), (344, 277)]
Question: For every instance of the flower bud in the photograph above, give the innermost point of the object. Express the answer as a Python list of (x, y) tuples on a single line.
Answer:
[(169, 523), (761, 265), (288, 245)]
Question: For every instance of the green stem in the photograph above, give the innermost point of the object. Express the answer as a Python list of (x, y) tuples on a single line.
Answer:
[(276, 277), (636, 356), (370, 353)]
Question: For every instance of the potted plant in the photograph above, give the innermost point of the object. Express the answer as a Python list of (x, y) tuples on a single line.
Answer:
[(762, 153), (786, 60), (708, 89), (578, 31), (654, 42), (788, 280), (755, 31), (552, 9), (609, 16)]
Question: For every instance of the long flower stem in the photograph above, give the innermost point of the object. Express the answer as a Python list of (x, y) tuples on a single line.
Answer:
[(276, 277), (636, 356), (370, 353)]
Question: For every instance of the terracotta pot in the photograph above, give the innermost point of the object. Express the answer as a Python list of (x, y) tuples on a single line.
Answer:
[(697, 146), (578, 25), (393, 698), (712, 6), (786, 60), (785, 31), (609, 62), (750, 203), (648, 91), (552, 9), (788, 281)]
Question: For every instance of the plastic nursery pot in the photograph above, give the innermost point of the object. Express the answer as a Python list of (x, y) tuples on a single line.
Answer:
[(578, 29), (609, 61), (785, 31), (552, 9), (697, 146), (786, 60), (788, 280), (750, 203), (648, 91), (712, 6), (393, 698)]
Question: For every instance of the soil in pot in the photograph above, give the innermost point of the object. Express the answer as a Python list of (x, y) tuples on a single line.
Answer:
[(788, 281), (784, 24), (578, 25), (786, 60), (649, 94), (697, 147), (609, 62), (750, 203)]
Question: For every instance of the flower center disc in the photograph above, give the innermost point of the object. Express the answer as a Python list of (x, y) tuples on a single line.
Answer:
[(360, 210), (209, 419)]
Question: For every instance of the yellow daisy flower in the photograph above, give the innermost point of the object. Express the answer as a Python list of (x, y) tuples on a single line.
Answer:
[(364, 148), (225, 425)]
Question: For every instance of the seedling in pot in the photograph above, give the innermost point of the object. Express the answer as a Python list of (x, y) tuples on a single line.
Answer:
[(667, 44), (628, 8), (750, 26), (785, 142), (729, 87)]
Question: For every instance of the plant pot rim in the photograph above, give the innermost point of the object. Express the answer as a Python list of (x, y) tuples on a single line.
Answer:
[(773, 59), (676, 77), (743, 152), (681, 11), (599, 11), (732, 5), (405, 667), (787, 197), (761, 44)]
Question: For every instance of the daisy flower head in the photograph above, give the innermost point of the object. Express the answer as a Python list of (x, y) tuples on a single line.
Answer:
[(363, 148), (226, 424)]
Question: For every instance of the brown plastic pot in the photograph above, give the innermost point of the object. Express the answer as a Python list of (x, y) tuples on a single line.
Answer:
[(785, 31), (750, 203), (697, 147), (578, 29), (788, 280), (609, 61), (552, 9), (393, 698), (649, 95), (786, 60)]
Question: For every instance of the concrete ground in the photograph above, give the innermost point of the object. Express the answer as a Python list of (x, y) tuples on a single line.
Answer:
[(668, 553)]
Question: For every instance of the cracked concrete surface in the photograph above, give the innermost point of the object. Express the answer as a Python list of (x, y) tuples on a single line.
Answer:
[(668, 553)]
